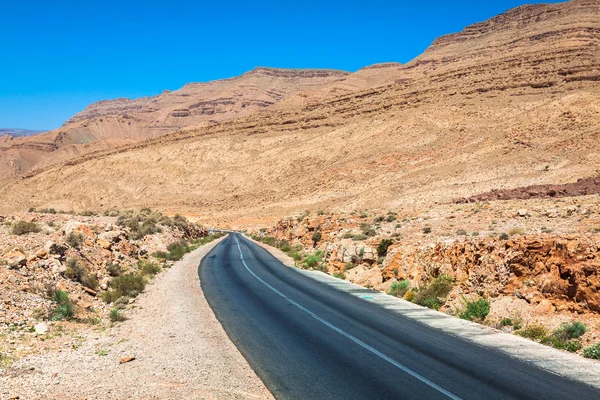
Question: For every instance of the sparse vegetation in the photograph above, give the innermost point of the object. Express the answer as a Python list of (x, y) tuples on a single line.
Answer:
[(383, 246), (399, 288), (76, 271), (504, 236), (535, 332), (75, 239), (461, 232), (315, 261), (592, 351), (113, 269), (427, 230), (340, 275), (475, 310), (433, 295), (64, 309), (116, 316), (127, 285), (148, 267), (316, 237), (515, 231), (23, 228)]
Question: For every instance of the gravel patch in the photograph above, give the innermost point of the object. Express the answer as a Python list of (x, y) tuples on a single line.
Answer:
[(179, 348)]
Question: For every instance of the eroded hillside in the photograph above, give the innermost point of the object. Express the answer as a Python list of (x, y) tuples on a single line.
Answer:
[(509, 102)]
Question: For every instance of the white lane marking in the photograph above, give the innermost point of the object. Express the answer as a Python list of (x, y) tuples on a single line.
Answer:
[(349, 336)]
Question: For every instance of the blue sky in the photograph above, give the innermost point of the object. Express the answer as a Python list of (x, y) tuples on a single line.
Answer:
[(58, 56)]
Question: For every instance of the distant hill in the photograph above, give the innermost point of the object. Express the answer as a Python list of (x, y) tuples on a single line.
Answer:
[(18, 132)]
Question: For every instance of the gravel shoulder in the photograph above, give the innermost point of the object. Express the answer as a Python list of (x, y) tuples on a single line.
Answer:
[(180, 349)]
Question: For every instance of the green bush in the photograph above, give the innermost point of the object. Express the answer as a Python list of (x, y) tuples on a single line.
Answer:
[(340, 275), (592, 351), (360, 236), (316, 237), (23, 227), (76, 271), (475, 310), (534, 332), (383, 246), (434, 294), (391, 218), (380, 218), (116, 316), (129, 285), (113, 269), (148, 267), (506, 322), (573, 330), (314, 261), (349, 266), (399, 288), (75, 239), (65, 306), (427, 230)]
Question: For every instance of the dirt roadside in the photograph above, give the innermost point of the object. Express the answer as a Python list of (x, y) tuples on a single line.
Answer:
[(180, 349)]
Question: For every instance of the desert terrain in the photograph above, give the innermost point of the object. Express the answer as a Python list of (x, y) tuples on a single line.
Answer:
[(473, 168)]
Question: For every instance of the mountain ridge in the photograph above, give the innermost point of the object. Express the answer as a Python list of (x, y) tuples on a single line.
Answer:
[(456, 121)]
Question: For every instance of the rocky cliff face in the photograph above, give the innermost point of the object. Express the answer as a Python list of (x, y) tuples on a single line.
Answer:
[(543, 269)]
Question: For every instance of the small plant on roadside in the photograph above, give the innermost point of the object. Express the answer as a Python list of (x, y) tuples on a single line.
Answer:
[(475, 310), (433, 295), (505, 322), (23, 228), (64, 309), (340, 275), (534, 332), (148, 267), (592, 351), (116, 316), (399, 288), (102, 353), (127, 285), (314, 261)]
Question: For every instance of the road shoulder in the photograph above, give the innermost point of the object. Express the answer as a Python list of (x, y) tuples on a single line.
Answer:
[(181, 351)]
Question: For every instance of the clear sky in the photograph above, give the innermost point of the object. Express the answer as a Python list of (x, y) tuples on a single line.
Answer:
[(58, 56)]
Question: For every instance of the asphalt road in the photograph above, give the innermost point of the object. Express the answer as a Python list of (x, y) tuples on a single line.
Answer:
[(306, 340)]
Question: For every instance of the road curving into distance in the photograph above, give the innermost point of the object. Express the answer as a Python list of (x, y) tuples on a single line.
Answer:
[(307, 340)]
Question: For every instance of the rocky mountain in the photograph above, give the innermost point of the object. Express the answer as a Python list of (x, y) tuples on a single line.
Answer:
[(111, 123), (509, 102)]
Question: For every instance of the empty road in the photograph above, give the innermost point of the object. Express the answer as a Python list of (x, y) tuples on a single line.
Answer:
[(306, 340)]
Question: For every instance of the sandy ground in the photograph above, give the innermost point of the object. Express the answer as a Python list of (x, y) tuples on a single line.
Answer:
[(180, 349)]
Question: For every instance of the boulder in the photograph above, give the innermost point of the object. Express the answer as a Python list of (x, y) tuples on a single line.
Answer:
[(79, 227), (41, 328), (15, 258)]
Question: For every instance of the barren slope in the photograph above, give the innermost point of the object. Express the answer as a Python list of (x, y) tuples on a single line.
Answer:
[(486, 108), (111, 123)]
